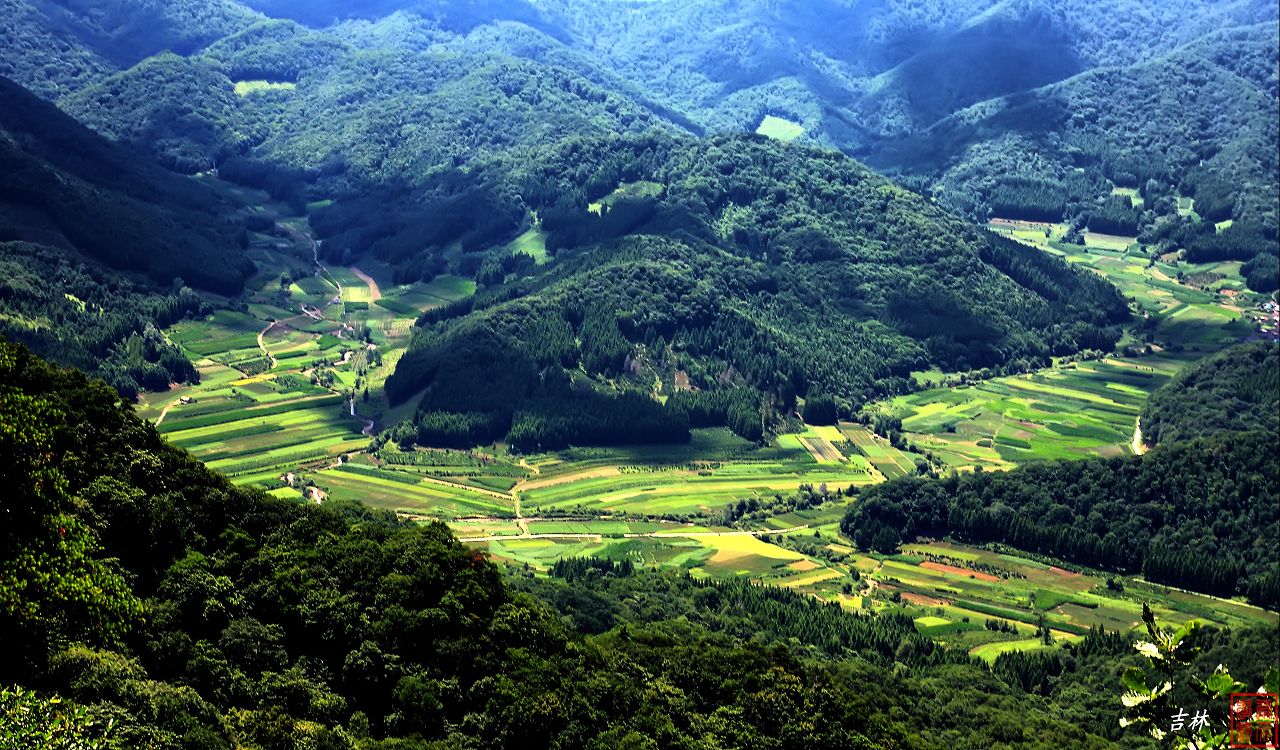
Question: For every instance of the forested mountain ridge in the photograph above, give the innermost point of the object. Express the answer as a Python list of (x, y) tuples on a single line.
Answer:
[(183, 612), (1201, 117), (65, 184), (1017, 109), (792, 271), (97, 246), (56, 47)]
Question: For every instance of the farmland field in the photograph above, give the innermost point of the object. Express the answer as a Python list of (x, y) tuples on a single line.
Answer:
[(1081, 408), (246, 88), (293, 380)]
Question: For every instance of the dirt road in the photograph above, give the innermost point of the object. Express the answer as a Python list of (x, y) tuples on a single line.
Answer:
[(1139, 447), (263, 346), (375, 293)]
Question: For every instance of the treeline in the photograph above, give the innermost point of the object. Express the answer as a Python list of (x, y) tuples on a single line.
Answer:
[(1235, 390), (739, 409), (153, 604), (1192, 514)]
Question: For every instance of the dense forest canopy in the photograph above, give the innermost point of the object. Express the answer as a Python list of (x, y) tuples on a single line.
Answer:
[(63, 184), (98, 247), (996, 107), (1236, 390)]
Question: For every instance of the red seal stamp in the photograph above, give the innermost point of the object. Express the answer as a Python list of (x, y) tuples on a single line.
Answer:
[(1252, 718)]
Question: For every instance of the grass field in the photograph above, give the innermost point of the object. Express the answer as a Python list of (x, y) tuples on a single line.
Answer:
[(532, 243), (780, 129), (1069, 411)]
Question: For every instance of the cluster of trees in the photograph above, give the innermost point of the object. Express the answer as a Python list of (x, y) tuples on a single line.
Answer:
[(740, 409), (1235, 390), (1187, 514), (167, 608), (85, 316)]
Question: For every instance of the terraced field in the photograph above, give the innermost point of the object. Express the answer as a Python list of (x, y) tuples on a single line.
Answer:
[(886, 459), (954, 590), (1077, 409)]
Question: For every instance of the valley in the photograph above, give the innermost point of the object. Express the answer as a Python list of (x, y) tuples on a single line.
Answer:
[(274, 410), (698, 374)]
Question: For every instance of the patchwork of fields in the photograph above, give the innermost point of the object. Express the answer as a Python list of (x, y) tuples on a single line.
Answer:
[(291, 389), (293, 379), (1077, 409)]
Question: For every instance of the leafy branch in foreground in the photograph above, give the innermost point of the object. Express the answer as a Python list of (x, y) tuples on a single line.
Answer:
[(29, 720), (1170, 653)]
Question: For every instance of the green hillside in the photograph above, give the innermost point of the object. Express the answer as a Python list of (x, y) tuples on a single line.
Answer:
[(788, 270), (1236, 390), (97, 248)]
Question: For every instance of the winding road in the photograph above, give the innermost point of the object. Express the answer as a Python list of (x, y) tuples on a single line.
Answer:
[(263, 346)]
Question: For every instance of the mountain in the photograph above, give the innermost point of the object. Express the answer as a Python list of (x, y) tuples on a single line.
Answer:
[(737, 261), (56, 47), (66, 185), (97, 246), (1193, 118)]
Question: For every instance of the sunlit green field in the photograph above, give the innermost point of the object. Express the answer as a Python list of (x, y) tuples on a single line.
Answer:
[(780, 129), (1070, 411), (245, 88)]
